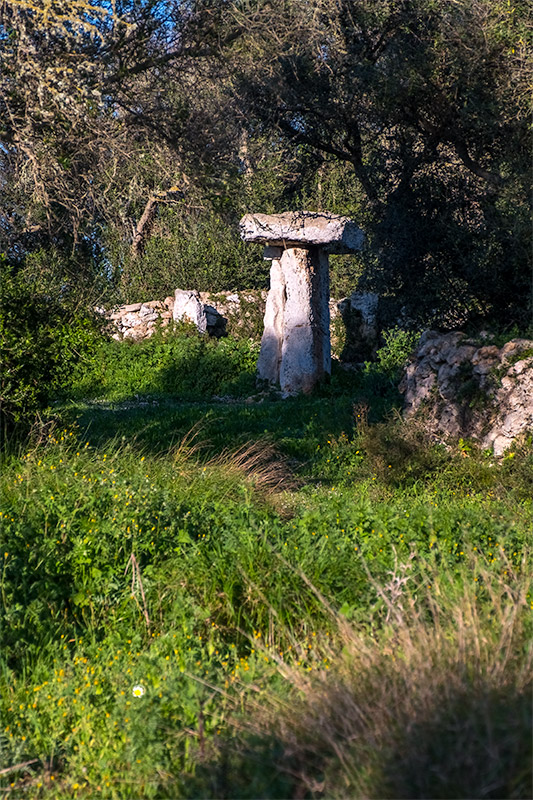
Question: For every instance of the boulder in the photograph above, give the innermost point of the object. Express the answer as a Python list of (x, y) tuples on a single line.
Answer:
[(460, 389), (189, 308), (359, 313)]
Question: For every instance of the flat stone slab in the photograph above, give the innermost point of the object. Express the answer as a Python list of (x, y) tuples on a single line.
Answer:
[(331, 232)]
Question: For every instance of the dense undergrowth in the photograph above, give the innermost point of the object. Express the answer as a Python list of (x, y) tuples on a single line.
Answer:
[(184, 365), (299, 598)]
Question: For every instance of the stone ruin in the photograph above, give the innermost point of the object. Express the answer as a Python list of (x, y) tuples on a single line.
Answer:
[(214, 313), (296, 345), (460, 387), (353, 320)]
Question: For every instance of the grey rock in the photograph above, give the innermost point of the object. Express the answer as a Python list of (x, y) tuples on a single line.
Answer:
[(212, 315), (189, 308), (460, 354), (485, 366), (425, 339), (268, 363), (151, 317), (306, 349), (503, 407), (130, 320), (486, 352), (367, 304), (331, 232)]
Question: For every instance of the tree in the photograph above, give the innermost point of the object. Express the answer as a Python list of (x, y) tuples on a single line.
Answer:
[(88, 89), (411, 115), (428, 103)]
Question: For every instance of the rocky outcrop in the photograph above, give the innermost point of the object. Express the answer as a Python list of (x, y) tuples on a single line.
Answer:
[(464, 388)]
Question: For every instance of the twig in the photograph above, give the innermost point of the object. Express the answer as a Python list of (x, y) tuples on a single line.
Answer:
[(137, 580), (16, 767)]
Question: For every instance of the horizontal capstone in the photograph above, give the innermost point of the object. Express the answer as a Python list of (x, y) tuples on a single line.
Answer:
[(331, 232)]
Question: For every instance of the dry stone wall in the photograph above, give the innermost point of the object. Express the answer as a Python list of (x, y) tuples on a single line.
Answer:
[(215, 314), (461, 388), (353, 320)]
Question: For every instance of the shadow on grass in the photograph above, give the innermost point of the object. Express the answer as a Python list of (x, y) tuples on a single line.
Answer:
[(296, 425), (473, 745)]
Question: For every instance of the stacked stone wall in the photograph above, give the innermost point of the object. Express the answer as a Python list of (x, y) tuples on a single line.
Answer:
[(353, 320), (224, 313), (462, 388)]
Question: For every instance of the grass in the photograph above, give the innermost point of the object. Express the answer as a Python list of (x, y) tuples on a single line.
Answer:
[(418, 710), (316, 601)]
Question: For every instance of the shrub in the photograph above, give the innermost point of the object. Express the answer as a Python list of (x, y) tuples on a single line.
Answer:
[(398, 345), (41, 337), (204, 253), (435, 703)]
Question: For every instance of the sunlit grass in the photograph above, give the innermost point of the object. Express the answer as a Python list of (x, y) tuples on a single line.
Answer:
[(223, 566)]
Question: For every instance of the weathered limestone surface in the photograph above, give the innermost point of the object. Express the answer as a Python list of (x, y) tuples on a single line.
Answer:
[(269, 361), (138, 320), (360, 315), (296, 344), (330, 232), (305, 345), (189, 308), (461, 388), (225, 312)]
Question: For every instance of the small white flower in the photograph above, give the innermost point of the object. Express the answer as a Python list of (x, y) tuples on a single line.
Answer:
[(138, 690)]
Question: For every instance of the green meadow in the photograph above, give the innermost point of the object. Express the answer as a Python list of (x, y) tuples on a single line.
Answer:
[(210, 593)]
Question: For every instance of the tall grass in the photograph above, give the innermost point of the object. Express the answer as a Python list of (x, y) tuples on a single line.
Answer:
[(359, 592), (435, 703)]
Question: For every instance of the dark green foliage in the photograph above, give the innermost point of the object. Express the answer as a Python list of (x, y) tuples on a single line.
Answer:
[(178, 363), (202, 252), (42, 336), (427, 103)]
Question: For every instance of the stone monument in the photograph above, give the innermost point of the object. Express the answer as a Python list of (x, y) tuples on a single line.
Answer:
[(295, 347)]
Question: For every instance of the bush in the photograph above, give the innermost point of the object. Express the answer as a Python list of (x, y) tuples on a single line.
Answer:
[(398, 346), (41, 337), (204, 253), (414, 709)]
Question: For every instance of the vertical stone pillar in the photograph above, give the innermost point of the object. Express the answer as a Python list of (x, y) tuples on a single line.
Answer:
[(306, 348), (295, 348), (268, 364)]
